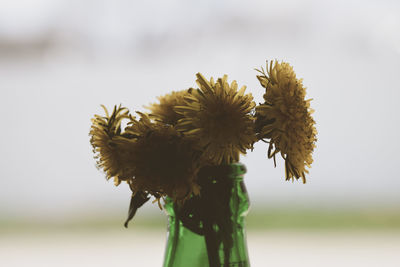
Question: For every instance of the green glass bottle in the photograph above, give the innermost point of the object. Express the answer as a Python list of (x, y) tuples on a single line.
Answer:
[(208, 229)]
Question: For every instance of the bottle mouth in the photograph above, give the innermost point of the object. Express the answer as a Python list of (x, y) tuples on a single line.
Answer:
[(234, 171)]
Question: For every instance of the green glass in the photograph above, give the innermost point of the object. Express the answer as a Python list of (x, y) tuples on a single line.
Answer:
[(208, 230)]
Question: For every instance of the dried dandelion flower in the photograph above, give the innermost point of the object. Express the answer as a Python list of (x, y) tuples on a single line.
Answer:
[(153, 158), (110, 157), (164, 162), (285, 119), (218, 116), (164, 110)]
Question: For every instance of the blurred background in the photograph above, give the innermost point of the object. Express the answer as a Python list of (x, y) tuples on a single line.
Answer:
[(59, 60)]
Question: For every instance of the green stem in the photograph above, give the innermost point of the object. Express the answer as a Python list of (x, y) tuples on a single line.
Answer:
[(211, 244)]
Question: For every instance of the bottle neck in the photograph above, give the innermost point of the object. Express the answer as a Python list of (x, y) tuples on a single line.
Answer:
[(215, 217)]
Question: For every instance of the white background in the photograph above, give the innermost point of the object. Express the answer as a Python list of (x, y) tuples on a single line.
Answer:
[(59, 60)]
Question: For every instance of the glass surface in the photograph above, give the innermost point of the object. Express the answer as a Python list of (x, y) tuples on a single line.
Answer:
[(208, 230)]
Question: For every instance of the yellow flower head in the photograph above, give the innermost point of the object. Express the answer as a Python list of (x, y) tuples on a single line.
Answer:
[(164, 162), (285, 119), (164, 110), (218, 116), (111, 158)]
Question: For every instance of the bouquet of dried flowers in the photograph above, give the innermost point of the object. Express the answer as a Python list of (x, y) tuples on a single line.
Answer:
[(163, 153)]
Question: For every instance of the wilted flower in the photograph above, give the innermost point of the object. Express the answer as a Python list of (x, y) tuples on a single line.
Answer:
[(218, 116), (164, 110), (151, 157), (285, 119), (110, 157), (164, 162)]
